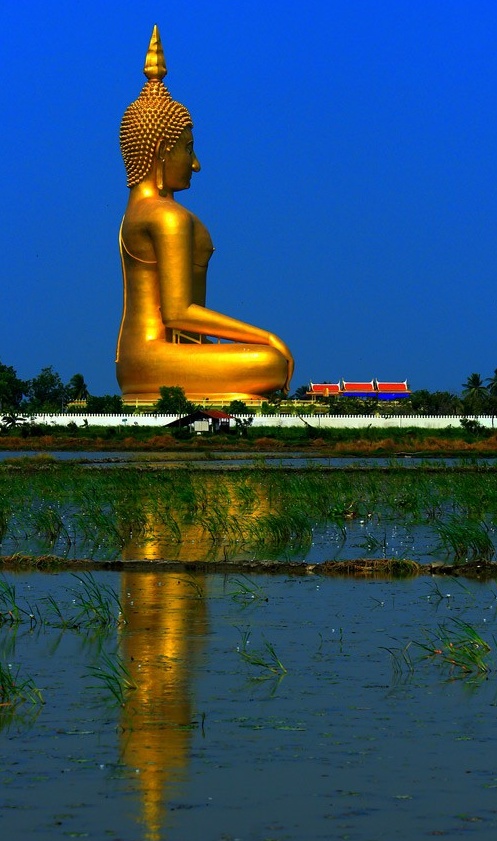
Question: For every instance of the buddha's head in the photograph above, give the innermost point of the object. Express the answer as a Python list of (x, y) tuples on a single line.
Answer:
[(153, 123)]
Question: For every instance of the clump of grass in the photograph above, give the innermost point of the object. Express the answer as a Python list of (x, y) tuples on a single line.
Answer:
[(50, 525), (459, 647), (38, 460), (466, 540), (115, 676), (4, 520), (21, 561), (246, 590), (94, 605), (266, 660), (10, 610), (99, 605), (391, 567), (15, 691), (57, 618)]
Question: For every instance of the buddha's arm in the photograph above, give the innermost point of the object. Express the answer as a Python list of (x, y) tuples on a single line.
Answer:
[(172, 235)]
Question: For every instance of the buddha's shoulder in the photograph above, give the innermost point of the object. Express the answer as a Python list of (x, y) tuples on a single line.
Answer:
[(169, 214)]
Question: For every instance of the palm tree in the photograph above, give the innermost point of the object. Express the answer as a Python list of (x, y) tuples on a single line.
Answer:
[(77, 388), (11, 420), (492, 384), (474, 393), (492, 391), (300, 393)]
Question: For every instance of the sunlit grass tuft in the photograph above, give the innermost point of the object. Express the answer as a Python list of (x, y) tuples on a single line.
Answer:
[(114, 676)]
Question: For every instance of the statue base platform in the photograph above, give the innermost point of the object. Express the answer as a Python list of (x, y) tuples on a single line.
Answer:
[(214, 400)]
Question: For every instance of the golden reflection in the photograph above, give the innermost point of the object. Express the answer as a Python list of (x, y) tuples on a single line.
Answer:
[(168, 337), (224, 526), (167, 621)]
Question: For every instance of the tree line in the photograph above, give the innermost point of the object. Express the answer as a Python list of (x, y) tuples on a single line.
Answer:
[(48, 394), (478, 397)]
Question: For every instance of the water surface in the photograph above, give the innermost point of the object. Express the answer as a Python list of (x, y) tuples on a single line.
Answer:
[(344, 744)]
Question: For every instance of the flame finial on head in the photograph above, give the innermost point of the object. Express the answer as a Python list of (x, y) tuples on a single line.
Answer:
[(155, 63)]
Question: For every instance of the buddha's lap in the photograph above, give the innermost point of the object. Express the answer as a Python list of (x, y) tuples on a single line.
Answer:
[(188, 354)]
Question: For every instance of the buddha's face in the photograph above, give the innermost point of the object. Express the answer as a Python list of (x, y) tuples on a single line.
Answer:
[(179, 163)]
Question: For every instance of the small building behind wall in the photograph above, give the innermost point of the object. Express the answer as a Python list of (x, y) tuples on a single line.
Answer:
[(203, 420)]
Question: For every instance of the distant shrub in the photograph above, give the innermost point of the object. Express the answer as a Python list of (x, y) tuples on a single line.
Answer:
[(269, 444)]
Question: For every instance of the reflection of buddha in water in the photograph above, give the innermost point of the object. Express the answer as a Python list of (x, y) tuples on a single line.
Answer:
[(221, 530), (167, 622), (165, 249)]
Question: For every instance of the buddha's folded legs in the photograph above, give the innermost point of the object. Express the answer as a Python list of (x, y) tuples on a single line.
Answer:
[(212, 370)]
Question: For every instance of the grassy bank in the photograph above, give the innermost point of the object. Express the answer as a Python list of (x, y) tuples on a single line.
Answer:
[(329, 442)]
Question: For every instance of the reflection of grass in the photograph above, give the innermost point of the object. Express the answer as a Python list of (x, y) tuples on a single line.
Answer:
[(401, 659)]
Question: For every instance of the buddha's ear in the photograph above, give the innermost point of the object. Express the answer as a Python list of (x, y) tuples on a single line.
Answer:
[(161, 149)]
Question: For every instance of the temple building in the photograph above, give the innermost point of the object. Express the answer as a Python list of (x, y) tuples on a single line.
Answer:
[(362, 390)]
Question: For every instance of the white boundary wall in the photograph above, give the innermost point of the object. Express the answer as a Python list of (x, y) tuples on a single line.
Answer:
[(316, 421)]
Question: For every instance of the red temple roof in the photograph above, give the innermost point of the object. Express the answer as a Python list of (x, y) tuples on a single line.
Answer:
[(358, 386), (216, 414), (373, 388), (324, 388), (397, 387)]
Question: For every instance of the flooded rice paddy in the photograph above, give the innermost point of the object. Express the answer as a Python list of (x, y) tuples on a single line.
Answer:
[(152, 512), (257, 708), (160, 704)]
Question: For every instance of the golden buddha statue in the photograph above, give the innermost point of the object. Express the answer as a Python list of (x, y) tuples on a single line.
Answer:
[(168, 337)]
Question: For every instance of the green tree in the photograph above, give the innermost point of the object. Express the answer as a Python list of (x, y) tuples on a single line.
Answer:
[(107, 404), (12, 389), (492, 384), (492, 394), (424, 402), (172, 401), (474, 394), (46, 392), (12, 420), (352, 405), (237, 407), (300, 393), (76, 388)]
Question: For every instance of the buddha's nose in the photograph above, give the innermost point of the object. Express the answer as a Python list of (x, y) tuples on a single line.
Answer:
[(195, 164)]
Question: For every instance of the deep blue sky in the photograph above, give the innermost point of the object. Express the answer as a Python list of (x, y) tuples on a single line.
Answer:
[(349, 178)]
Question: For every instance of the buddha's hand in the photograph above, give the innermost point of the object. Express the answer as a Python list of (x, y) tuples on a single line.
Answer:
[(278, 344)]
